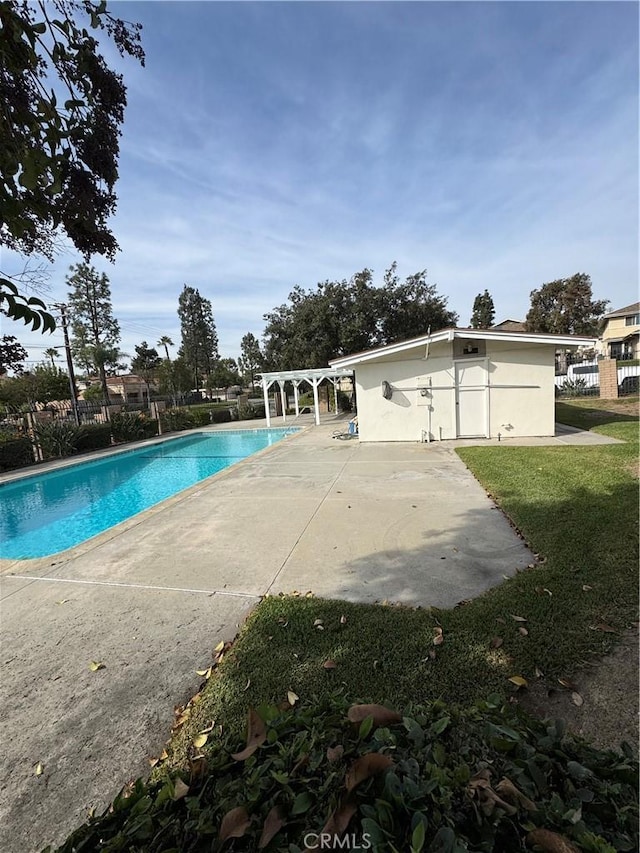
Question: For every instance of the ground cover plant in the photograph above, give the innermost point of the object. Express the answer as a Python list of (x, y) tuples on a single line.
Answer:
[(578, 509), (488, 778)]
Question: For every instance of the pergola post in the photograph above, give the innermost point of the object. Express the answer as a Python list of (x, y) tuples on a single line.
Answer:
[(335, 395), (295, 396), (265, 392), (283, 400), (316, 404)]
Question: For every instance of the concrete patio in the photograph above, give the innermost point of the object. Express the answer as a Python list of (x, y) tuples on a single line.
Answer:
[(152, 597)]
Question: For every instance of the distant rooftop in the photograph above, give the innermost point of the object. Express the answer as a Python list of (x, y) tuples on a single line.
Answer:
[(634, 308), (510, 326)]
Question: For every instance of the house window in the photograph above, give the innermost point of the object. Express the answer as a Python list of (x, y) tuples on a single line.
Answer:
[(632, 320)]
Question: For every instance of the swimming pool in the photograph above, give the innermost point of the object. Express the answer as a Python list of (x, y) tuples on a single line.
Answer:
[(45, 513)]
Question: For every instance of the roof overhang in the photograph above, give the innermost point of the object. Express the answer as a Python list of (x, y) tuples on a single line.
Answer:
[(449, 335)]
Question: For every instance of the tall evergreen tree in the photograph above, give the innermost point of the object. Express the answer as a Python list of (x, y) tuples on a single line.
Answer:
[(251, 356), (484, 312), (95, 332), (199, 336)]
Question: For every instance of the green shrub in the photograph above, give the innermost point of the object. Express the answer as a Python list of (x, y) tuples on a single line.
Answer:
[(132, 426), (15, 451), (487, 779), (244, 412), (221, 416), (150, 427), (201, 417), (94, 437), (176, 420), (58, 439), (575, 387)]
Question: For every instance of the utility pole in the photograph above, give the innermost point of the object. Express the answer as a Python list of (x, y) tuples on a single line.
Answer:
[(67, 349)]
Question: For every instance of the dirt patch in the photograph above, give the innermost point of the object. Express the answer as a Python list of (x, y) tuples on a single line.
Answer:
[(609, 692), (600, 409)]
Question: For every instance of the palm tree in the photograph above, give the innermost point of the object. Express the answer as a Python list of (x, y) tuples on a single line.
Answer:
[(166, 342), (52, 353)]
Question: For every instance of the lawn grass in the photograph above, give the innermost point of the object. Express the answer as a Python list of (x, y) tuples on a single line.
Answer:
[(577, 507)]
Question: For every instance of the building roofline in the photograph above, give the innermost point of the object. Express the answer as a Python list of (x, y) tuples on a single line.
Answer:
[(634, 308), (450, 334)]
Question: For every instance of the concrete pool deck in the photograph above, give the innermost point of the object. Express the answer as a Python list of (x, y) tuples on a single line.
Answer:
[(151, 598)]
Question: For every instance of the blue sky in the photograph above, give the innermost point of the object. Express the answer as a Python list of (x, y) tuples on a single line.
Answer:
[(272, 144)]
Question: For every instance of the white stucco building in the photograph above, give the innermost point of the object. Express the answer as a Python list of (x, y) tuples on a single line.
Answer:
[(458, 383)]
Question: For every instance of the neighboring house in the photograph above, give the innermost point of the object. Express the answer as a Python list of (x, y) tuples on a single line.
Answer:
[(621, 333), (128, 388), (510, 326), (458, 383)]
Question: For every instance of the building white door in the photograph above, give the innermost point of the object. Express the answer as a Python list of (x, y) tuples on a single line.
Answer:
[(471, 398)]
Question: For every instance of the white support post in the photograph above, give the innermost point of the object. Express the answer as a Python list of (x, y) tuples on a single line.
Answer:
[(283, 400), (316, 404), (335, 396), (265, 392), (295, 396)]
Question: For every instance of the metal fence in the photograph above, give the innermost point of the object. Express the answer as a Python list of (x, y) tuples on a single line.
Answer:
[(582, 379)]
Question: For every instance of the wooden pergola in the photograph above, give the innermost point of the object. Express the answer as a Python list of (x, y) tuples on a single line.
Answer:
[(313, 378)]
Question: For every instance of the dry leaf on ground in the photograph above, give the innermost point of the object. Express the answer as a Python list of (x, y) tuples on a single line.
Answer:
[(273, 823), (234, 824), (381, 716), (256, 736), (365, 767), (180, 790)]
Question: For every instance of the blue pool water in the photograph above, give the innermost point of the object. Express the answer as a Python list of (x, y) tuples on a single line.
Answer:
[(46, 513)]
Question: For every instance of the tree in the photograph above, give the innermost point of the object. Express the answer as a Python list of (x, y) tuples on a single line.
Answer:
[(166, 342), (12, 355), (146, 363), (52, 353), (484, 312), (62, 112), (199, 337), (565, 307), (410, 308), (341, 317), (224, 374), (251, 358), (174, 377), (43, 385), (94, 331)]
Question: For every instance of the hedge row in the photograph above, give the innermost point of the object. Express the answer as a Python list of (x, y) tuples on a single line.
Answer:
[(59, 439), (176, 420)]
